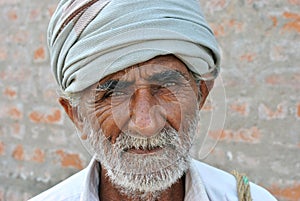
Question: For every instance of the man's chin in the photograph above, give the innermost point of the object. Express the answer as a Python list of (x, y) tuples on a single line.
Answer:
[(151, 182)]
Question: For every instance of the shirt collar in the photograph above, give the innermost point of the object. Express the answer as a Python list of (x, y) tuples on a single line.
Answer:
[(194, 187), (91, 182)]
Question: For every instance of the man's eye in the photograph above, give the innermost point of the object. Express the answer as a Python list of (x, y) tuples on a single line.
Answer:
[(117, 93), (113, 94), (168, 84)]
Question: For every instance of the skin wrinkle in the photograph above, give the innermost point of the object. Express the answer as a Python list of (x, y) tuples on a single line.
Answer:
[(154, 175)]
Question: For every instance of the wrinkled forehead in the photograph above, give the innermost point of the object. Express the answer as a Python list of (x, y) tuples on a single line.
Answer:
[(144, 70), (158, 68)]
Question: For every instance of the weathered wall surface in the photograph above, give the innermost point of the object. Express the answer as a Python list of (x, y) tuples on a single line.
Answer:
[(260, 41)]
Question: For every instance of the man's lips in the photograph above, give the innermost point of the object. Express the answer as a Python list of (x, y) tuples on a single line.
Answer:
[(143, 151)]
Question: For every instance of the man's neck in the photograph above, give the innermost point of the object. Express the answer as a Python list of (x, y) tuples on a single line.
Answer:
[(108, 192)]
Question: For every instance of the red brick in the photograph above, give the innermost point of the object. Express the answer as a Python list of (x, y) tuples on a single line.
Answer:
[(294, 2), (34, 14), (2, 148), (69, 160), (3, 54), (53, 117), (14, 113), (12, 15), (236, 25), (284, 79), (218, 29), (40, 54), (265, 112), (215, 5), (20, 37), (227, 26), (38, 156), (251, 135), (294, 23), (240, 108), (249, 57), (18, 152), (36, 117), (17, 130), (290, 193), (10, 92), (274, 20)]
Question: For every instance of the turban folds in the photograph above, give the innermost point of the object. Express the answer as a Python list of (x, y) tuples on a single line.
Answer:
[(90, 39)]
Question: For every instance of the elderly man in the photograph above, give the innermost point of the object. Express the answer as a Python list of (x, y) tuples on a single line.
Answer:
[(134, 75)]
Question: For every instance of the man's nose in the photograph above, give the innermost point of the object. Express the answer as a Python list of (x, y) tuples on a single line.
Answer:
[(147, 118)]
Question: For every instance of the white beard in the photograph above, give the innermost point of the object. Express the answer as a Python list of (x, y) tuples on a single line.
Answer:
[(141, 175)]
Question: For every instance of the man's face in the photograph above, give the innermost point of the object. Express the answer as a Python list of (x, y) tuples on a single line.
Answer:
[(140, 123)]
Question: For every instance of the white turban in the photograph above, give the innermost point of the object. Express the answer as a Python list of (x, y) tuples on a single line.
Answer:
[(90, 39)]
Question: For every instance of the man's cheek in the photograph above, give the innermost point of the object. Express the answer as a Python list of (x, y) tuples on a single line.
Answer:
[(101, 118), (177, 111), (110, 130), (174, 114), (120, 114)]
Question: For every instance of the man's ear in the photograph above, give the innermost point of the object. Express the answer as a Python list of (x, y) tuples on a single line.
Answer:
[(72, 112), (204, 89)]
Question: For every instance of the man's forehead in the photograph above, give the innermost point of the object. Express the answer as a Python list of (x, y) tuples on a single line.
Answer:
[(157, 65)]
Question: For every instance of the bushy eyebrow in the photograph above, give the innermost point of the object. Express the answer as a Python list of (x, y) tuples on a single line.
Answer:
[(112, 84), (157, 77), (167, 75)]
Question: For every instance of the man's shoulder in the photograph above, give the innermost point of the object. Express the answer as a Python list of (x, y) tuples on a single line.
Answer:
[(67, 190), (221, 185)]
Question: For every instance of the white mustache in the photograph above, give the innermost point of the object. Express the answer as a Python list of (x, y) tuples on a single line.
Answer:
[(166, 137)]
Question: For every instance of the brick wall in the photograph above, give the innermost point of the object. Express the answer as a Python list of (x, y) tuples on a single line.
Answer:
[(260, 41)]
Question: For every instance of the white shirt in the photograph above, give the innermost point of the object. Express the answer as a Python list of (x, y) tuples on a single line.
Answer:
[(202, 183)]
